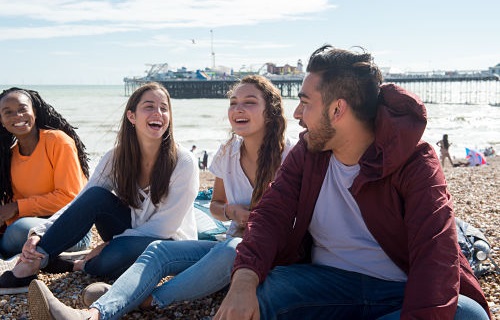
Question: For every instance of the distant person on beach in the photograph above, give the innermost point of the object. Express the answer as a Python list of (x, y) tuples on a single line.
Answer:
[(204, 161), (243, 168), (358, 223), (142, 190), (193, 148), (444, 146), (43, 166)]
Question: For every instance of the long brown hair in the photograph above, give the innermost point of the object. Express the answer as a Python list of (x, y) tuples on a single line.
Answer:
[(127, 157), (273, 144)]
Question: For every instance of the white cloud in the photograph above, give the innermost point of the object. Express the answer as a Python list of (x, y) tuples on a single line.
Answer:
[(58, 31), (58, 18)]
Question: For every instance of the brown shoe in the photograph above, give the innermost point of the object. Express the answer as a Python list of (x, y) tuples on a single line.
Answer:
[(43, 305), (93, 292)]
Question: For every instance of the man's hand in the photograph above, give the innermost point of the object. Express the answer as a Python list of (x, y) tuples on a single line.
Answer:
[(241, 301), (29, 253)]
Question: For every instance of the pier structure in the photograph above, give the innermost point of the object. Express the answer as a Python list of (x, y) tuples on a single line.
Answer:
[(448, 89), (211, 89), (452, 89)]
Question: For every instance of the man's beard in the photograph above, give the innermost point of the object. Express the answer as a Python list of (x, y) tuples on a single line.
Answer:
[(317, 139)]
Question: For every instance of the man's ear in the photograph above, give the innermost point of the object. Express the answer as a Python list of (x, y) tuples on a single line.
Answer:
[(337, 109)]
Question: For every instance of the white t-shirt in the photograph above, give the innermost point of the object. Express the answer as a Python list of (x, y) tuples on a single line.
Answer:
[(226, 166), (341, 238)]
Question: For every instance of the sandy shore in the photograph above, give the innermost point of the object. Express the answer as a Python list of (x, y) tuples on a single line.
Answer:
[(476, 199)]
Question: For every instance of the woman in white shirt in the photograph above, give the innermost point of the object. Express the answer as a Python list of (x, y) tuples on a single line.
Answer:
[(142, 190), (243, 167)]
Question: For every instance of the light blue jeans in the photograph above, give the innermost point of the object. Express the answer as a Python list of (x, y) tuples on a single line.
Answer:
[(201, 268), (305, 291), (12, 241)]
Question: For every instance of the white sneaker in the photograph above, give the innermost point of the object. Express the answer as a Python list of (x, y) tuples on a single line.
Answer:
[(6, 265)]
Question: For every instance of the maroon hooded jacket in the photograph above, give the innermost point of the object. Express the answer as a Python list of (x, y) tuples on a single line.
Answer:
[(402, 194)]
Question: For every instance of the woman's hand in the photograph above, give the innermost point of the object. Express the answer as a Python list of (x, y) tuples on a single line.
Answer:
[(8, 211), (79, 264), (29, 253), (238, 213)]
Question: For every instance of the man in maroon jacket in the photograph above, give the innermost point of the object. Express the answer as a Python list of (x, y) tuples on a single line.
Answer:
[(359, 223)]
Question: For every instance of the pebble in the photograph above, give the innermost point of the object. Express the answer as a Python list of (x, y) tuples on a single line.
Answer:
[(476, 195)]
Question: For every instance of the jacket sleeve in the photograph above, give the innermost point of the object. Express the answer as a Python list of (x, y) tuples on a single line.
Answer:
[(434, 272), (68, 179), (271, 223)]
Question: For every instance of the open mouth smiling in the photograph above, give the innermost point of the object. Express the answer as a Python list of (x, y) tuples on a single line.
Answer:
[(155, 124), (241, 120), (21, 124)]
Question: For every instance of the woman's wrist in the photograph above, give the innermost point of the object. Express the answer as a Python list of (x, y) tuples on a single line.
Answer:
[(224, 210)]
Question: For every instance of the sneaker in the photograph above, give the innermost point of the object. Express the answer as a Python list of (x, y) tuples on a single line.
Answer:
[(93, 292), (43, 305), (8, 264), (10, 284), (74, 255)]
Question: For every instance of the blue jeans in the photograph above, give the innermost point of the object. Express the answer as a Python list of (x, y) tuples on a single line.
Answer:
[(201, 268), (305, 291), (12, 241), (111, 217)]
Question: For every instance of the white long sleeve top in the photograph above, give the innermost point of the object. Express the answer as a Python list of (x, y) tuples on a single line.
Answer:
[(173, 218)]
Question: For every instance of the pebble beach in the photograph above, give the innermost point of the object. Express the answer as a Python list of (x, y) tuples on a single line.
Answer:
[(476, 197)]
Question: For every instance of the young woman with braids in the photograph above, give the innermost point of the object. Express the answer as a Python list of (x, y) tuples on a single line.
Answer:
[(243, 167), (142, 190), (43, 166)]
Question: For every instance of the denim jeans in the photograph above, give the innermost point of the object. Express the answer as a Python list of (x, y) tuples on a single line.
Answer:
[(111, 217), (201, 268), (305, 291), (12, 241)]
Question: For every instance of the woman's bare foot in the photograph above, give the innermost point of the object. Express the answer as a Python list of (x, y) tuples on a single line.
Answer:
[(25, 269)]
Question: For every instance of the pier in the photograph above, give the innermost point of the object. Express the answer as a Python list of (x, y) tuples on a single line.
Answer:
[(450, 89), (475, 88), (211, 89)]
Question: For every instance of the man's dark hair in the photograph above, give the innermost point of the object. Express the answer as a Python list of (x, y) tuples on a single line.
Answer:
[(348, 75)]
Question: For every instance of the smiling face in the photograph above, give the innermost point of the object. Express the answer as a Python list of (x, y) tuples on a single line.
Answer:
[(313, 116), (246, 111), (17, 114), (151, 117)]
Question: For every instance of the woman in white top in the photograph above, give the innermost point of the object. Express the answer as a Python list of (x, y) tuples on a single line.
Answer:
[(244, 167), (142, 190)]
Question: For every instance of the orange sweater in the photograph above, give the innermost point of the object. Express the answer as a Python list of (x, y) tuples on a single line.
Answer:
[(49, 178)]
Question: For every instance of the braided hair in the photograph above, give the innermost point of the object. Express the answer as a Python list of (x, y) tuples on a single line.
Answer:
[(46, 118)]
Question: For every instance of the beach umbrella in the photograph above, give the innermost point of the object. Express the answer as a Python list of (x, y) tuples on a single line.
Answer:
[(474, 157)]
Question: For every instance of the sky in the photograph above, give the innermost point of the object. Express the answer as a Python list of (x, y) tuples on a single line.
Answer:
[(101, 42)]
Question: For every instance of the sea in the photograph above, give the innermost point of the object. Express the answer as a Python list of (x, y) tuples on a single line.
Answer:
[(96, 111)]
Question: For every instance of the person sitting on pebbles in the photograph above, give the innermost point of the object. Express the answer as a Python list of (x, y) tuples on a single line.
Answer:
[(141, 191), (43, 166), (243, 166)]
